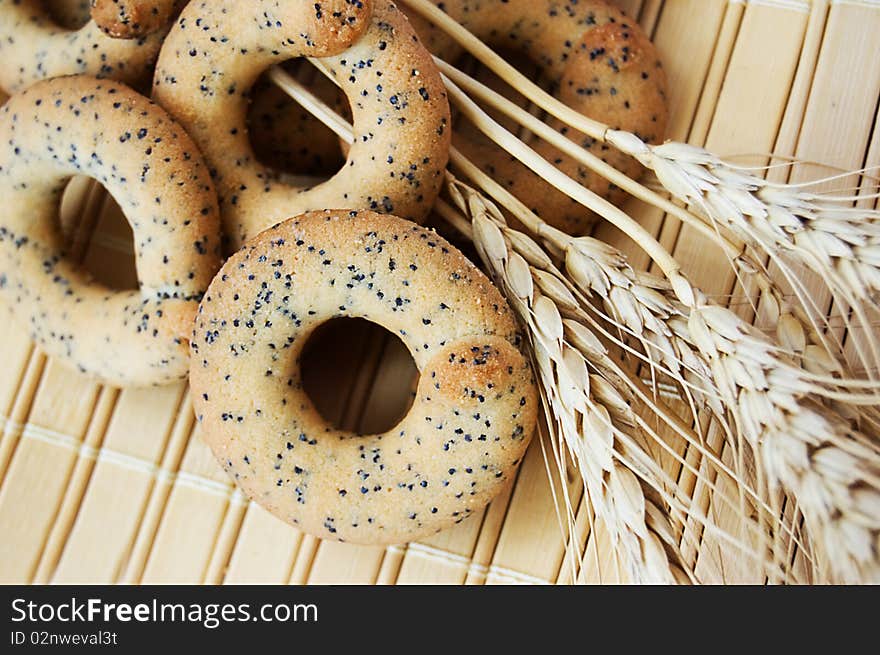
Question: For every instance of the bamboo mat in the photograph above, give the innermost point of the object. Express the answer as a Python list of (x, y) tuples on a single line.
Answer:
[(99, 485)]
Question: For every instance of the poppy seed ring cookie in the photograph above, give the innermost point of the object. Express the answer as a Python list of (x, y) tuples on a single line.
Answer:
[(84, 126), (34, 47), (475, 406), (597, 61), (217, 51)]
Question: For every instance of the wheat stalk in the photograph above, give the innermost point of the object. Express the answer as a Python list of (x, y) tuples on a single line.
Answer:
[(577, 411), (796, 329), (799, 337), (838, 503), (834, 502), (848, 249), (839, 243)]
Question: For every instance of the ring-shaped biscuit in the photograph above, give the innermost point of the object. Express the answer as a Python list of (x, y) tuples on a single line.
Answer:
[(598, 61), (215, 54), (33, 47), (100, 128), (475, 406)]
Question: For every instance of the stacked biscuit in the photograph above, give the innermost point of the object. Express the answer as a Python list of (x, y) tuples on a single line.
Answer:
[(184, 170)]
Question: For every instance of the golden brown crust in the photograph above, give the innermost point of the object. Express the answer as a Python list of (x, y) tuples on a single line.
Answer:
[(131, 19), (84, 126), (475, 405)]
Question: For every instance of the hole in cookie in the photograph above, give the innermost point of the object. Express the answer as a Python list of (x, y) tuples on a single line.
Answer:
[(98, 235), (287, 138), (359, 376), (69, 14), (483, 74)]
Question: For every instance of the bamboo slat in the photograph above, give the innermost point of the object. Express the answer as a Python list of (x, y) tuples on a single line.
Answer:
[(40, 468), (746, 120), (98, 485), (839, 118), (694, 60), (265, 550), (73, 498), (531, 541), (119, 486)]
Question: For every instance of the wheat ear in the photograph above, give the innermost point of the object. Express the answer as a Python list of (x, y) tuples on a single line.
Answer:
[(576, 410), (844, 539), (796, 328), (644, 307), (506, 252), (847, 250), (846, 529), (840, 243), (837, 491), (805, 448)]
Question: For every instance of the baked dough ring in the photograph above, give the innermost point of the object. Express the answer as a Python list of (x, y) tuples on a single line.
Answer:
[(475, 407), (130, 19), (33, 47), (84, 126), (600, 62), (216, 52)]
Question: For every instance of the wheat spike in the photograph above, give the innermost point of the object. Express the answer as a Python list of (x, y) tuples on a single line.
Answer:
[(771, 405), (835, 484), (584, 422), (588, 410), (851, 245), (804, 447), (840, 243)]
